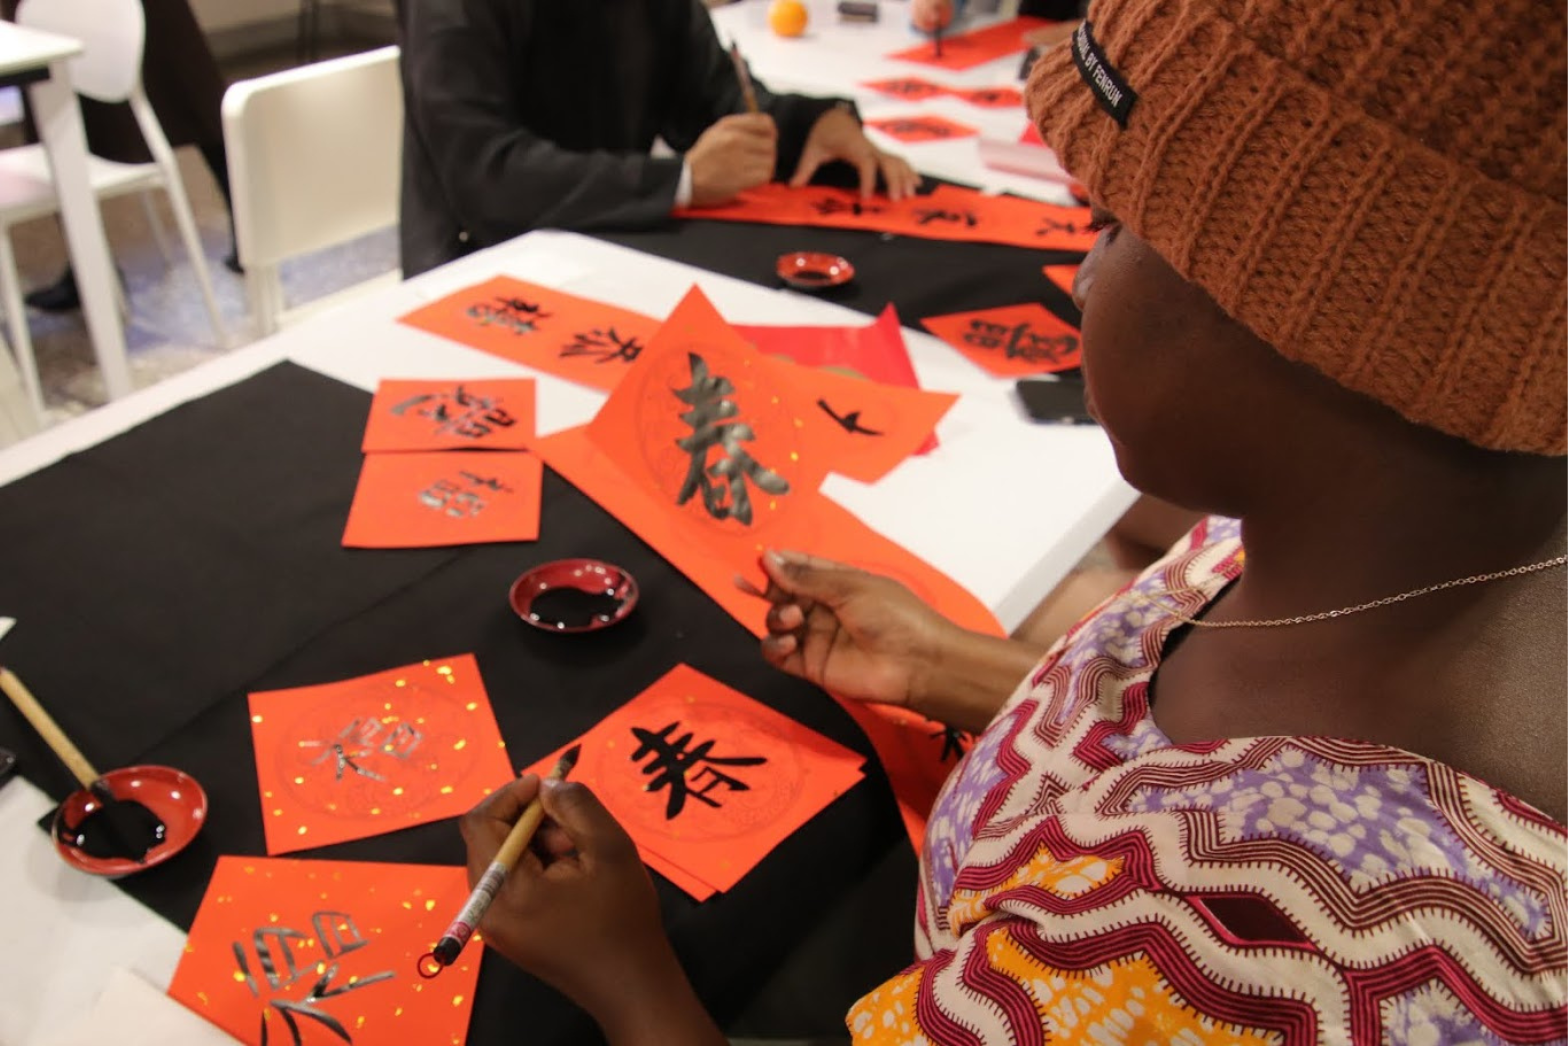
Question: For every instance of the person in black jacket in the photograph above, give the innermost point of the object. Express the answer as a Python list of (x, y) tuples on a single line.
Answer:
[(523, 114)]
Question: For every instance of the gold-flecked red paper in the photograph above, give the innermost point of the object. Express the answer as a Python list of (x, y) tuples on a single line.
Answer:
[(293, 952), (360, 757)]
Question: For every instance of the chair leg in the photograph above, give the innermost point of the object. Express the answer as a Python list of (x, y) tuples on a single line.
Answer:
[(187, 226), (160, 235), (16, 325)]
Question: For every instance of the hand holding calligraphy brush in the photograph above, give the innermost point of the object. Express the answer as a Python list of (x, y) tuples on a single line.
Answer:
[(744, 76), (451, 944)]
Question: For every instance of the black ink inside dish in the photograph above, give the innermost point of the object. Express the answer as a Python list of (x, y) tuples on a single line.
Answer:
[(128, 830), (574, 608)]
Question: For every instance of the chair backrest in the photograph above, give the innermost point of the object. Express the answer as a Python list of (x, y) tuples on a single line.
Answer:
[(314, 155), (112, 32)]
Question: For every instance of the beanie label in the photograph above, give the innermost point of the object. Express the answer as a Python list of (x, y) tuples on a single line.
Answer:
[(1110, 90)]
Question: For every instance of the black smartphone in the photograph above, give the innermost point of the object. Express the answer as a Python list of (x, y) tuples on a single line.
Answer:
[(857, 11), (1054, 400)]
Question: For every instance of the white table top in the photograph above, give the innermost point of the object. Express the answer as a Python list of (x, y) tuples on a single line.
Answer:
[(23, 49), (839, 58), (1004, 506)]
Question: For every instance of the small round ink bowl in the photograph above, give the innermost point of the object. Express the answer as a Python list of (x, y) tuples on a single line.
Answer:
[(174, 807), (812, 271), (574, 595)]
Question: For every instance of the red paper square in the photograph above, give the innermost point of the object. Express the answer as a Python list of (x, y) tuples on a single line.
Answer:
[(691, 745), (991, 97), (922, 127), (909, 88), (449, 414), (328, 948), (1011, 341), (445, 498), (370, 755)]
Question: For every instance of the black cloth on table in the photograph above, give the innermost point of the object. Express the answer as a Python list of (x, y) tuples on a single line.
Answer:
[(175, 568), (522, 115)]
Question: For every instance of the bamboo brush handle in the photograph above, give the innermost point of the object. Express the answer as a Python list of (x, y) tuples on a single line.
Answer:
[(50, 731)]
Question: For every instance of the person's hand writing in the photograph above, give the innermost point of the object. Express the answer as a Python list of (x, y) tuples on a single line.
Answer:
[(735, 154), (579, 912), (837, 135), (860, 635), (927, 15)]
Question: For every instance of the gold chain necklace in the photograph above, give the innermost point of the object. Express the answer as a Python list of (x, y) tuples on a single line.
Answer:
[(1326, 615)]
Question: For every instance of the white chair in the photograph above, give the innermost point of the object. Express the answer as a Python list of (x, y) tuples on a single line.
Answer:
[(315, 157), (109, 69)]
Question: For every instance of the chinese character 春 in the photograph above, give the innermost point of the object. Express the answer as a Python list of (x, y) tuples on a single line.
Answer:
[(459, 412), (723, 484), (930, 215), (1021, 342), (671, 761), (515, 314), (274, 948), (604, 345), (849, 422)]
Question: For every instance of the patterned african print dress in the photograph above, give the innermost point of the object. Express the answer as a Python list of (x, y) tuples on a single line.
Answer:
[(1086, 881)]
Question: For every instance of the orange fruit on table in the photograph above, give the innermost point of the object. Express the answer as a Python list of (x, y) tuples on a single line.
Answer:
[(787, 17)]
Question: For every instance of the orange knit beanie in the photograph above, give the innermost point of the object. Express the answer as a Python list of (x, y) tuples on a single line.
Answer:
[(1376, 189)]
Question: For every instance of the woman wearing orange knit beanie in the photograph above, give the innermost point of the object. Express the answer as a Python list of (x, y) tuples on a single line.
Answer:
[(1303, 781)]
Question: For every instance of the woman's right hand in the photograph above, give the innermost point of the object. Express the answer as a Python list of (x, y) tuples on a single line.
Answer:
[(859, 635)]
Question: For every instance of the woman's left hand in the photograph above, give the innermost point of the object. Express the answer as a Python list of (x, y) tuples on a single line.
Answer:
[(837, 135)]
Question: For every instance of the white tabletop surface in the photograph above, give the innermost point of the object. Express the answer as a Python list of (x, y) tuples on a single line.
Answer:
[(838, 58), (1003, 506), (24, 49)]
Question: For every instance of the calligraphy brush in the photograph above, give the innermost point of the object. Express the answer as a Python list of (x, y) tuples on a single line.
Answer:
[(451, 944), (936, 38), (129, 827), (744, 76)]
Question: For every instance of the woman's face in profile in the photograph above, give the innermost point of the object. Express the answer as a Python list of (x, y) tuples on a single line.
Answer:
[(1195, 404)]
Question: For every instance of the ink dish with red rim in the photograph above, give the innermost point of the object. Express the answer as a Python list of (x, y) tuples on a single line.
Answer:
[(574, 595), (814, 271), (171, 796)]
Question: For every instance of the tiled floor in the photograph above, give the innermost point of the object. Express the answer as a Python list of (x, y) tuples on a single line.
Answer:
[(167, 330)]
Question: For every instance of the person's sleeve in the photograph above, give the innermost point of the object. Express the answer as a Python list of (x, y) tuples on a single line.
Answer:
[(499, 178), (709, 89)]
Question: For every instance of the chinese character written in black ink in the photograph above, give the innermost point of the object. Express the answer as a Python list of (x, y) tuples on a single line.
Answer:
[(1020, 342), (361, 739), (932, 215), (954, 743), (989, 96), (829, 207), (921, 128), (849, 422), (460, 412), (515, 314), (454, 500), (275, 958), (603, 345), (909, 88), (1050, 226), (723, 484), (671, 762)]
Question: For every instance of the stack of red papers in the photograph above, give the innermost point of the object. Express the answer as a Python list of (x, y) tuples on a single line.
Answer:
[(446, 464), (706, 780)]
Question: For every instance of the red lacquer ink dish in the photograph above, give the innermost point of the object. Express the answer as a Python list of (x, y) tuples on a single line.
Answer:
[(574, 595)]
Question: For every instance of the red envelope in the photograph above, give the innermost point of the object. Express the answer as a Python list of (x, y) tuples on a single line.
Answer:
[(424, 414), (967, 50), (707, 779), (922, 127), (575, 338), (991, 97), (367, 756), (1012, 341), (910, 89), (321, 951), (424, 500)]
